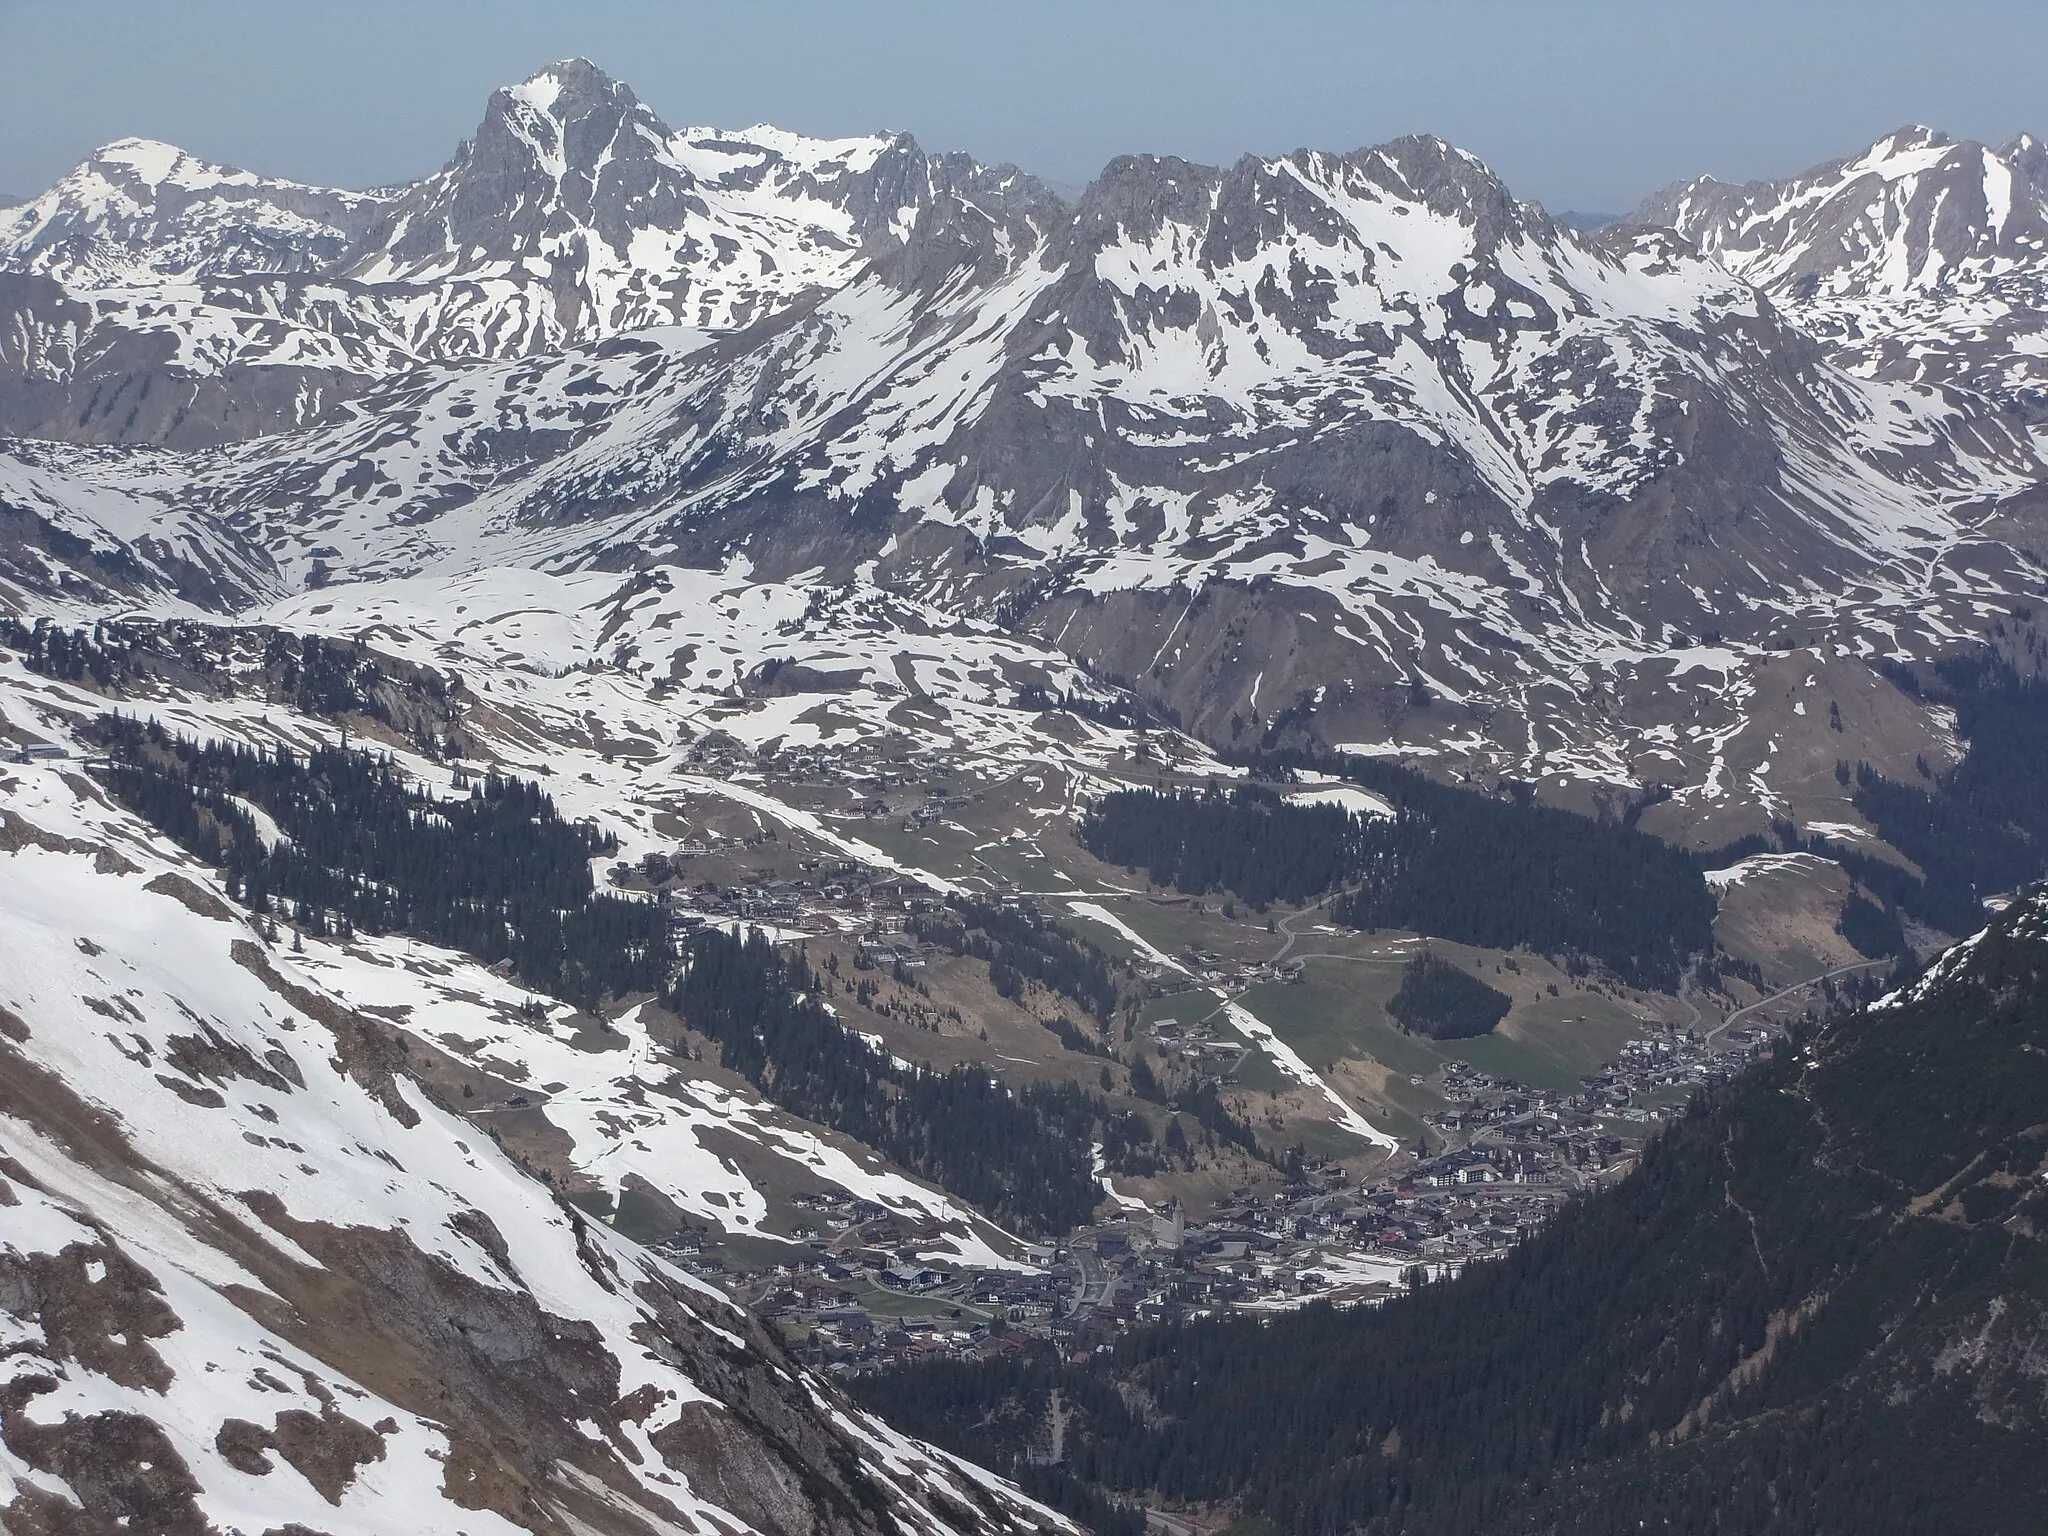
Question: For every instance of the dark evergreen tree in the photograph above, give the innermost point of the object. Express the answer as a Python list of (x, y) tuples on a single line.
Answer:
[(1022, 944), (1449, 862), (1979, 829), (1022, 1155), (1445, 1001), (497, 873), (1871, 929)]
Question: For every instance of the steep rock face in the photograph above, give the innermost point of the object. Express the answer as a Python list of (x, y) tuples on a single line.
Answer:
[(579, 214), (585, 214), (253, 1277)]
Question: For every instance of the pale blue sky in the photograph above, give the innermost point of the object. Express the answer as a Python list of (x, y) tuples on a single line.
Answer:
[(1586, 104)]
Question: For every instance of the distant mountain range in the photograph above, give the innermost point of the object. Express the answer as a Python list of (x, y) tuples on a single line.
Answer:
[(1351, 449)]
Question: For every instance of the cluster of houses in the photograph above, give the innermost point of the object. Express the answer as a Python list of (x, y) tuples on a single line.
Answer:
[(1667, 1070), (1201, 1043), (1503, 1159), (863, 1299), (1597, 1127), (1518, 1134), (1207, 968), (827, 896), (36, 752)]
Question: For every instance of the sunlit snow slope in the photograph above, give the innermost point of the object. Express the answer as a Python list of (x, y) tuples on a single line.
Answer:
[(615, 1109)]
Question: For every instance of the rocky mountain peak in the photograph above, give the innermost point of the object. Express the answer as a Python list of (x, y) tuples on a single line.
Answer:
[(1907, 139), (1448, 180), (149, 162), (923, 218), (1136, 196), (570, 117), (2028, 157), (569, 89), (566, 150), (572, 213), (1358, 200), (604, 218)]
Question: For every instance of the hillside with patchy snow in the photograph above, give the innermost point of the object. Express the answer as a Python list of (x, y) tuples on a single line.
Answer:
[(254, 1271), (560, 681)]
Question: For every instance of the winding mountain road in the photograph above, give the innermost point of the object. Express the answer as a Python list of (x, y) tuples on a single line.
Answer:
[(1785, 992)]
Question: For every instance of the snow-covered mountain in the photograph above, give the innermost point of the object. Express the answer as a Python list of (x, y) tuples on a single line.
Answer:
[(1921, 257), (247, 305), (137, 295), (575, 213), (138, 211), (1356, 448), (699, 457), (1916, 212)]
